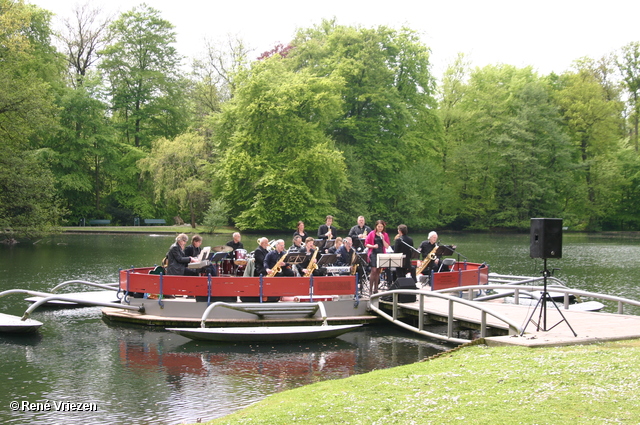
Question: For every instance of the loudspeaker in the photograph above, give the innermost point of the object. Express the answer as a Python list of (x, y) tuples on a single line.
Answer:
[(405, 283), (546, 238)]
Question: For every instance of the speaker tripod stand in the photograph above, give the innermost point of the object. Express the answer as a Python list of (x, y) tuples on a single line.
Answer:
[(542, 304)]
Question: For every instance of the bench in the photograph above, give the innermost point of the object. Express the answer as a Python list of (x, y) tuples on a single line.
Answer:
[(159, 221), (99, 222)]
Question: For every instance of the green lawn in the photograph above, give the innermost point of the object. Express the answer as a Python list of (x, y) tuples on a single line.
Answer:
[(586, 384)]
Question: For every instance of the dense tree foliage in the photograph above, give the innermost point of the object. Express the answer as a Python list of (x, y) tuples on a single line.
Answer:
[(341, 120)]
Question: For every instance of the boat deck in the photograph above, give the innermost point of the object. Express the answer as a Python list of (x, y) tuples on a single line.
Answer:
[(590, 327)]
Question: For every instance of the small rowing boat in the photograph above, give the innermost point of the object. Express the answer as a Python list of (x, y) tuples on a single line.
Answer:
[(264, 333)]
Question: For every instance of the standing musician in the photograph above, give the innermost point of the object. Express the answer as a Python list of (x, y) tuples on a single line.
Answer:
[(377, 241), (426, 247), (273, 258), (259, 255), (301, 232), (309, 249), (403, 244), (359, 232), (327, 231)]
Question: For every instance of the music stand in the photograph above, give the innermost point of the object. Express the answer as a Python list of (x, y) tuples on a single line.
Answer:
[(329, 243), (218, 256), (294, 258), (444, 250), (357, 243), (327, 259), (319, 243), (390, 260)]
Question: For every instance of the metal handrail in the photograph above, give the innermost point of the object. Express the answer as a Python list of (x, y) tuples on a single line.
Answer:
[(46, 297), (563, 289), (109, 286), (514, 328), (260, 309)]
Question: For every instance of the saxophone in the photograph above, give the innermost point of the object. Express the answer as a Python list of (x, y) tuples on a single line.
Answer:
[(427, 260), (312, 264), (276, 269)]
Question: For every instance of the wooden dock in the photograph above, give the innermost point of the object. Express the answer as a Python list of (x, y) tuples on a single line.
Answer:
[(590, 327)]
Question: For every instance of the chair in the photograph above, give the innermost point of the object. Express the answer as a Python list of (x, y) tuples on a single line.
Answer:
[(448, 262)]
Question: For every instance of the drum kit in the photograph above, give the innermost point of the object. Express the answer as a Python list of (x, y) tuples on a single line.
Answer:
[(232, 266)]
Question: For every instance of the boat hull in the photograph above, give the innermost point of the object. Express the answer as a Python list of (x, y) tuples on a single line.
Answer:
[(15, 324), (264, 333)]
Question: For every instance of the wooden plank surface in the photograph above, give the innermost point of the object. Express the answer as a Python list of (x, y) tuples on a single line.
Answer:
[(590, 327)]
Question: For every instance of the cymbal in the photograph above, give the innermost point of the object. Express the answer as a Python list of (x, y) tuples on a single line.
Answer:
[(221, 248)]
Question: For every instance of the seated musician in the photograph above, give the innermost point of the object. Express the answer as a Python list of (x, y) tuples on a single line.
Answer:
[(345, 253), (336, 246), (297, 244), (177, 259), (194, 250), (309, 250), (235, 244), (259, 255), (426, 248), (273, 258)]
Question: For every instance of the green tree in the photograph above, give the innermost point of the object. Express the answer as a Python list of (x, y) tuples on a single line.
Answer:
[(278, 166), (629, 66), (145, 85), (593, 122), (27, 110), (178, 170), (508, 156), (387, 122)]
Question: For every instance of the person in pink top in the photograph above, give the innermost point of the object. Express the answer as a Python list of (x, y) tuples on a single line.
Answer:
[(377, 241)]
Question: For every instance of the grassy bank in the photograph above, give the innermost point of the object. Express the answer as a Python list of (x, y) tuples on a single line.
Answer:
[(597, 383), (146, 229)]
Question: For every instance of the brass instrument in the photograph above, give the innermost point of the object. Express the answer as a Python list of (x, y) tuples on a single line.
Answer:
[(276, 269), (427, 260), (354, 263), (312, 264)]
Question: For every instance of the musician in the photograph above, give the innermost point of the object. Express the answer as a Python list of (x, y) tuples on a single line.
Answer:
[(309, 249), (259, 255), (194, 250), (336, 246), (273, 258), (377, 241), (359, 232), (235, 244), (301, 232), (404, 244), (425, 249), (177, 259), (297, 244), (345, 253), (327, 231)]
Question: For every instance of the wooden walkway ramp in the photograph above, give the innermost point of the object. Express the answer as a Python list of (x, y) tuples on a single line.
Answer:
[(590, 327)]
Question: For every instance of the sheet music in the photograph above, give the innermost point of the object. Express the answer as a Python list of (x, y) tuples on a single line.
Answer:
[(204, 253)]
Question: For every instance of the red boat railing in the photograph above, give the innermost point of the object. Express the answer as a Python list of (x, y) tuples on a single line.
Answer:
[(138, 280)]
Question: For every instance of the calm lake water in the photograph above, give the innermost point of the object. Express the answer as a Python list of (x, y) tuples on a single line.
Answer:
[(138, 375)]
